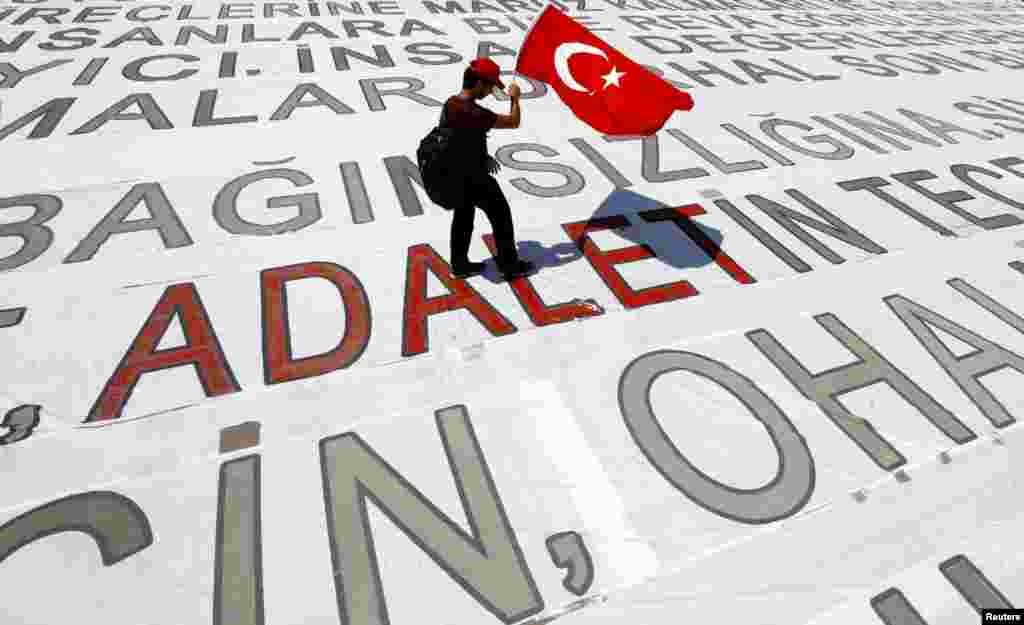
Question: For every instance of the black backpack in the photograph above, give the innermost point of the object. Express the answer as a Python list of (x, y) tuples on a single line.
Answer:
[(433, 160)]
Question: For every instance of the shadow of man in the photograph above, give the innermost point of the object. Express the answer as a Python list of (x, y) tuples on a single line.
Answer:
[(669, 244)]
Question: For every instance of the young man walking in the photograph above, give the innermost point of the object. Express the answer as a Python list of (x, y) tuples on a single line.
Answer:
[(472, 184)]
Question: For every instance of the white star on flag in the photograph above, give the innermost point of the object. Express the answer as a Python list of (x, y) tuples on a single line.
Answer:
[(614, 75)]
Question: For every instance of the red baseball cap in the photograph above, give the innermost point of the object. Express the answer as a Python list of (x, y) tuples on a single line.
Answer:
[(488, 70)]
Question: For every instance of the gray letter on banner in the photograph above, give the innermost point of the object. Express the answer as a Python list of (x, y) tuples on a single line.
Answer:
[(488, 562), (238, 563), (117, 524), (784, 496), (987, 357), (869, 368)]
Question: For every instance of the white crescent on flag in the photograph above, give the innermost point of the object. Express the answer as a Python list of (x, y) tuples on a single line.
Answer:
[(562, 54)]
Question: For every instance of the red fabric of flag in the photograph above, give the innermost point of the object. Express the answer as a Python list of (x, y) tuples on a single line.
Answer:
[(604, 89)]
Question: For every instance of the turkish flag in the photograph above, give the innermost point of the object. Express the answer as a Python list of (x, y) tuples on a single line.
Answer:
[(604, 89)]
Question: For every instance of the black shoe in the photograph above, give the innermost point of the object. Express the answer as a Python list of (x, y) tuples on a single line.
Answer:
[(466, 270), (516, 269)]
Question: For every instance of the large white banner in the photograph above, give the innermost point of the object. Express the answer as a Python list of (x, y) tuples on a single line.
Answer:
[(768, 370)]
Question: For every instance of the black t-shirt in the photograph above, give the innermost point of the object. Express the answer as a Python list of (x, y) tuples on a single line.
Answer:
[(471, 123)]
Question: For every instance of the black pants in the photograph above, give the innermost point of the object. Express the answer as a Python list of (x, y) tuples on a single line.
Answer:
[(482, 191)]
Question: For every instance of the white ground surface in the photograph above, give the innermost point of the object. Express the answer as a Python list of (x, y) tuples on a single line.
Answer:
[(819, 428)]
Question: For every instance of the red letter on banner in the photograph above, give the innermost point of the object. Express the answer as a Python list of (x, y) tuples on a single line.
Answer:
[(418, 307), (680, 216), (604, 264), (541, 314), (201, 349), (278, 364)]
